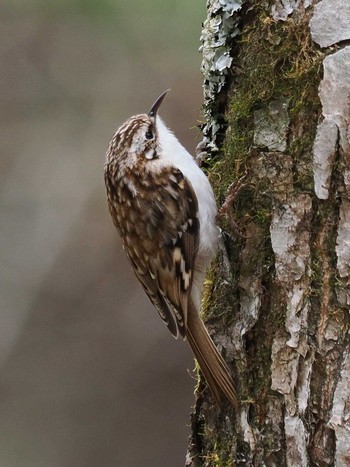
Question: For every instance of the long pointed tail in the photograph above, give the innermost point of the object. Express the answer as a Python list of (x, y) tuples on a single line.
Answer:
[(211, 363)]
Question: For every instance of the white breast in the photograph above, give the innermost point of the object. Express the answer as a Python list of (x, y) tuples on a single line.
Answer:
[(172, 152)]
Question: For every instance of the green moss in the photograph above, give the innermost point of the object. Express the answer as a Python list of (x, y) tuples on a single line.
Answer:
[(276, 60), (218, 293), (219, 458), (221, 451)]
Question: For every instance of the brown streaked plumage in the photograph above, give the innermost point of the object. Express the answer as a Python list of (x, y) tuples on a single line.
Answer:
[(163, 207)]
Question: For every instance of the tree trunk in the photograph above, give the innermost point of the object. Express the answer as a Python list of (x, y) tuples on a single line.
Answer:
[(277, 110)]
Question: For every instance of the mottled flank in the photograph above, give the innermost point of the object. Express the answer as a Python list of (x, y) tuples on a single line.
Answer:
[(155, 213)]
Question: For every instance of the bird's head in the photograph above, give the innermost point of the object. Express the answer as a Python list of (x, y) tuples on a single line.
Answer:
[(137, 138)]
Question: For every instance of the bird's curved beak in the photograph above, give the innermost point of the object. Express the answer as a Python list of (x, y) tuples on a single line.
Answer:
[(156, 105)]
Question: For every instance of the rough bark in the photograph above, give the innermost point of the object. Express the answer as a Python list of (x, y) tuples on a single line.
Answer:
[(277, 109)]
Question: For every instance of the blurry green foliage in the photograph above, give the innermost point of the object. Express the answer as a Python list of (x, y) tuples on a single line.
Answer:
[(158, 22)]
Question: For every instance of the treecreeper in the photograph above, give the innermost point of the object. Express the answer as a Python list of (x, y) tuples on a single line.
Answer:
[(164, 209)]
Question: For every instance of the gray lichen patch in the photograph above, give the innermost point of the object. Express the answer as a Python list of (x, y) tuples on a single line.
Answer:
[(290, 239), (343, 242), (330, 23), (296, 441), (284, 368), (324, 151), (219, 28), (290, 374), (271, 126), (278, 167), (340, 420), (334, 129), (332, 136), (335, 93), (250, 283), (281, 9)]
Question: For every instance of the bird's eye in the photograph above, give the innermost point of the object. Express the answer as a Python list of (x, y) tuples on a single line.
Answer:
[(149, 134)]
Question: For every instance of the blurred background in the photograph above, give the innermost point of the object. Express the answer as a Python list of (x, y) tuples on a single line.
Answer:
[(89, 375)]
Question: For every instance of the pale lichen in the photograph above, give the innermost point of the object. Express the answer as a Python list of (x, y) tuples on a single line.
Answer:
[(271, 126), (328, 28), (340, 420), (343, 241), (284, 8), (219, 28), (333, 135), (296, 441), (334, 94)]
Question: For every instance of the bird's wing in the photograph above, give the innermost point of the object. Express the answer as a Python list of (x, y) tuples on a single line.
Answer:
[(163, 244)]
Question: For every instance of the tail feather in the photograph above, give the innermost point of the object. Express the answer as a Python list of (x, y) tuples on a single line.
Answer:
[(211, 363)]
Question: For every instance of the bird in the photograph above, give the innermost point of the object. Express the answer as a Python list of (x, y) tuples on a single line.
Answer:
[(164, 209)]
